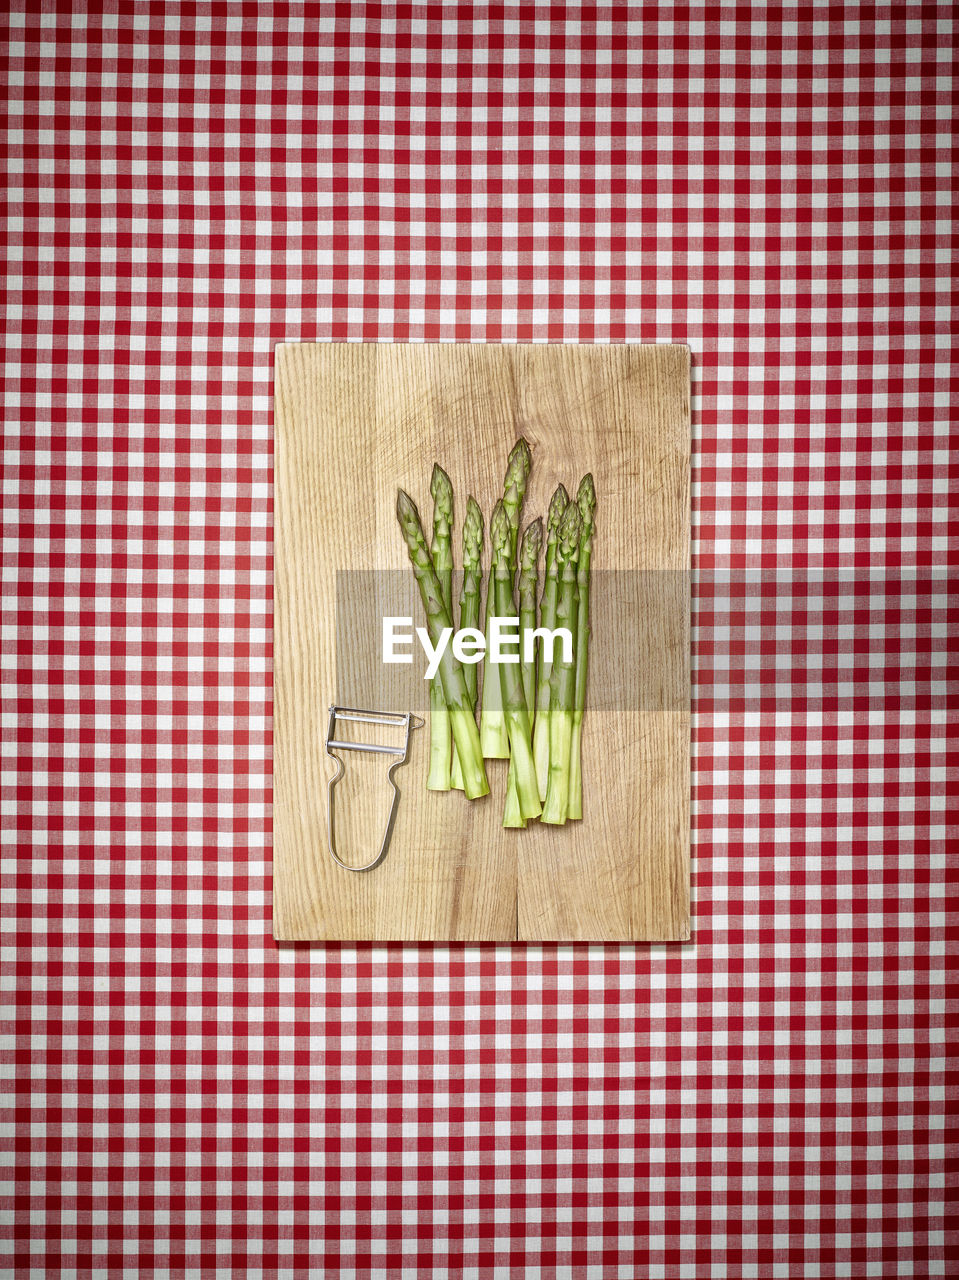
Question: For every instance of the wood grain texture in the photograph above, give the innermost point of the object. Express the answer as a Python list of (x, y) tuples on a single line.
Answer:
[(354, 422)]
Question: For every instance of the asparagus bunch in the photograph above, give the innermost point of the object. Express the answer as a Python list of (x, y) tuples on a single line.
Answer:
[(470, 603), (441, 549), (526, 590), (532, 712), (493, 733), (462, 721)]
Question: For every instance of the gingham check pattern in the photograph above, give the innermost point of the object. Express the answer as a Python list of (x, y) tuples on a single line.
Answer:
[(187, 186)]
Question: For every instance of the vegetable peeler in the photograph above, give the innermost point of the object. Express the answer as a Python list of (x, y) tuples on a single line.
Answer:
[(333, 744)]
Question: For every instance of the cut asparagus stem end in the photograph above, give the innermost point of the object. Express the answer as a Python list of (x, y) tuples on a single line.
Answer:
[(512, 816), (556, 808), (521, 762), (541, 748), (456, 772), (438, 778), (575, 809), (471, 761)]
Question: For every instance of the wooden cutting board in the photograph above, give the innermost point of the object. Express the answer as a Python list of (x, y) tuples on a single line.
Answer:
[(355, 422)]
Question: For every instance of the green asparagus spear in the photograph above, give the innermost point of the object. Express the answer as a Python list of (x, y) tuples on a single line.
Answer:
[(492, 723), (462, 722), (586, 501), (562, 679), (511, 682), (526, 584), (441, 549), (470, 604), (514, 491), (547, 618), (472, 580)]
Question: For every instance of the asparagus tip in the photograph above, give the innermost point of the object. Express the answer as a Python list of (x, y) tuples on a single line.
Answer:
[(498, 522), (520, 458), (557, 505), (533, 535), (440, 480), (571, 523)]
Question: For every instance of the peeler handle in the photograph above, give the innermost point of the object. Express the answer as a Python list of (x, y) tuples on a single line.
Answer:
[(332, 745)]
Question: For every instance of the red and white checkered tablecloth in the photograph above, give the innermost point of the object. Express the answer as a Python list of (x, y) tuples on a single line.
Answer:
[(189, 185)]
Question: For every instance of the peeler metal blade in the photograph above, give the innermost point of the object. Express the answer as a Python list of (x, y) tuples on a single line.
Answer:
[(400, 754)]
